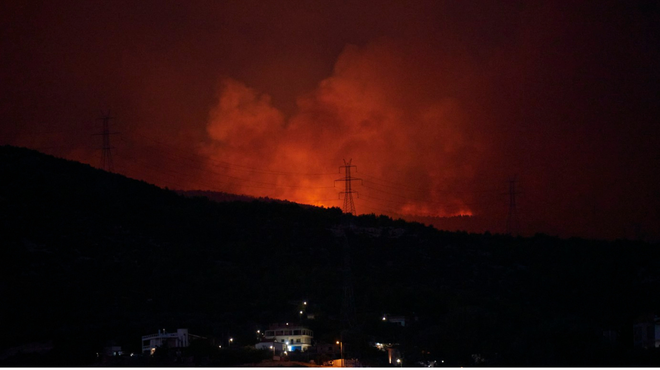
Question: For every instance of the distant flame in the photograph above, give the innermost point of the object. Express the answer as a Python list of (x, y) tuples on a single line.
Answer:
[(364, 111), (430, 211)]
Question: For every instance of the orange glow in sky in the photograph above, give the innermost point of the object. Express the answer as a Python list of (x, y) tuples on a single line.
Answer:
[(437, 103)]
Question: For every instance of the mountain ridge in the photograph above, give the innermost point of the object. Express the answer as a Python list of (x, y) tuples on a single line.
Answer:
[(91, 256)]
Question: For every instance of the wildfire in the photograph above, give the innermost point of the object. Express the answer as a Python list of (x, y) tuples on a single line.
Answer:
[(424, 210), (408, 147)]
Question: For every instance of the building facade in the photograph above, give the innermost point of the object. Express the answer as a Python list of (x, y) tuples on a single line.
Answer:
[(296, 338), (179, 339)]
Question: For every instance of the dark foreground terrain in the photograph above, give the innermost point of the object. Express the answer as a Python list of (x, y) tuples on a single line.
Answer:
[(91, 258)]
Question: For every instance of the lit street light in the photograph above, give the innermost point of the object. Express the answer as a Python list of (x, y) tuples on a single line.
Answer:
[(341, 351)]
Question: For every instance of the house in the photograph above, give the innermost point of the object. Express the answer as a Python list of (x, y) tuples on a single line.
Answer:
[(180, 339), (295, 337)]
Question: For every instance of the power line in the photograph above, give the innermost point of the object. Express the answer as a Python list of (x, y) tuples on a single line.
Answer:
[(393, 201), (203, 161), (230, 165), (172, 178), (395, 185), (204, 168), (409, 199), (200, 164)]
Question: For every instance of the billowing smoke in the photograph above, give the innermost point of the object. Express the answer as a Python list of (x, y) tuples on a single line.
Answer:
[(409, 146), (438, 103)]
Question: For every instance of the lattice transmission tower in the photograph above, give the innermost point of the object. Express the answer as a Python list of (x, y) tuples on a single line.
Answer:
[(106, 157), (349, 205)]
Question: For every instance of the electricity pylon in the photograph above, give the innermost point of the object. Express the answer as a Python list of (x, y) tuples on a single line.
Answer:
[(349, 205), (106, 158)]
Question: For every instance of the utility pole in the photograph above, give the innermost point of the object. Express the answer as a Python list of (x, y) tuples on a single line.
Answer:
[(349, 205), (106, 158), (512, 224)]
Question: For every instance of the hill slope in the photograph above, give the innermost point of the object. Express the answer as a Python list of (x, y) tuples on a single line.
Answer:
[(90, 256)]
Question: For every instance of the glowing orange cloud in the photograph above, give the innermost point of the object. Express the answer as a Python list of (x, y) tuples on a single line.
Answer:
[(368, 111)]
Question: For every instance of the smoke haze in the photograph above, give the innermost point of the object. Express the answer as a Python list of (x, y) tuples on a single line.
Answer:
[(438, 104)]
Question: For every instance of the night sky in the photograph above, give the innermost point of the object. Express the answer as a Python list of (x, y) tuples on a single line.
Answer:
[(438, 104)]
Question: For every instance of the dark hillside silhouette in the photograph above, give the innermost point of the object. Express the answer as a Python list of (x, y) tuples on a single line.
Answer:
[(88, 257)]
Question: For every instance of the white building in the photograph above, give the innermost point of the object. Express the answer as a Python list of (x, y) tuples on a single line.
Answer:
[(296, 338), (172, 340)]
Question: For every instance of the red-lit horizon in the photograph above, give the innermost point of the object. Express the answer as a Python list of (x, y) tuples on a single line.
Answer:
[(438, 104)]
